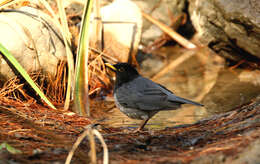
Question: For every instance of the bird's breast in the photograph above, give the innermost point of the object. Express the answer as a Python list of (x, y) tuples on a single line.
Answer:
[(134, 113)]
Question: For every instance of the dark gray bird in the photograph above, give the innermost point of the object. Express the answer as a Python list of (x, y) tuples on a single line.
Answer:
[(141, 98)]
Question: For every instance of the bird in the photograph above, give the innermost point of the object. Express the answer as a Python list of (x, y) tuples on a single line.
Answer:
[(141, 98)]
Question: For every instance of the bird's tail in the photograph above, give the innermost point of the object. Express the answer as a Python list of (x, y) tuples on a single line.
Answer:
[(185, 101)]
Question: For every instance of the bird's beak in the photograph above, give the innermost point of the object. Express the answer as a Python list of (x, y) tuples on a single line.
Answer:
[(111, 66)]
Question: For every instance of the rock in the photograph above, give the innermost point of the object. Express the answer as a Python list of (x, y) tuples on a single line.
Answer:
[(160, 10), (33, 39), (122, 25), (231, 28)]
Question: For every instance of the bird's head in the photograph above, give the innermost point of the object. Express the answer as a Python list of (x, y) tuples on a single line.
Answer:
[(124, 72)]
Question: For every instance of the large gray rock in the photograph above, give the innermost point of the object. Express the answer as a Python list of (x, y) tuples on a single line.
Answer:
[(231, 28), (33, 39)]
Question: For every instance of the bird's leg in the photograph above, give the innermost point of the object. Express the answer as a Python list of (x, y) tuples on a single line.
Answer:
[(143, 123)]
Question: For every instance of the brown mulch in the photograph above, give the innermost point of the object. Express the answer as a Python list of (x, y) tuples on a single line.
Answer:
[(45, 136), (42, 134)]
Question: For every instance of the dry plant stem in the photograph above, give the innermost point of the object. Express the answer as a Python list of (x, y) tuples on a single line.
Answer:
[(159, 42), (48, 7), (180, 39), (174, 64), (94, 91), (56, 87), (105, 149), (97, 23), (9, 87), (95, 69), (93, 153), (56, 19), (104, 55), (63, 20), (67, 40), (88, 133), (5, 3), (66, 37)]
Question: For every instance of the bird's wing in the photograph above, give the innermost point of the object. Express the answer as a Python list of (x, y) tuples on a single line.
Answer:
[(175, 99), (144, 94)]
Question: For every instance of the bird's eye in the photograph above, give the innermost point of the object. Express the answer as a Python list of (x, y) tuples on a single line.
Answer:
[(121, 69)]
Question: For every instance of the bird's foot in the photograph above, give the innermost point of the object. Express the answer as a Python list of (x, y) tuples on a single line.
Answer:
[(141, 127), (137, 131), (140, 130)]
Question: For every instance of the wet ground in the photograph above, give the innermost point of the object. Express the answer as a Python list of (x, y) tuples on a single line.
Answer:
[(219, 88)]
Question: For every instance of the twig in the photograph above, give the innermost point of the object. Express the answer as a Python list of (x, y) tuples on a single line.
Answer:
[(159, 42), (89, 132), (104, 55), (180, 39), (76, 144), (105, 149)]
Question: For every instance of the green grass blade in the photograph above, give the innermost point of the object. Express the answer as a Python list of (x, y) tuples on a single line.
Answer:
[(9, 148), (25, 75), (81, 80)]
